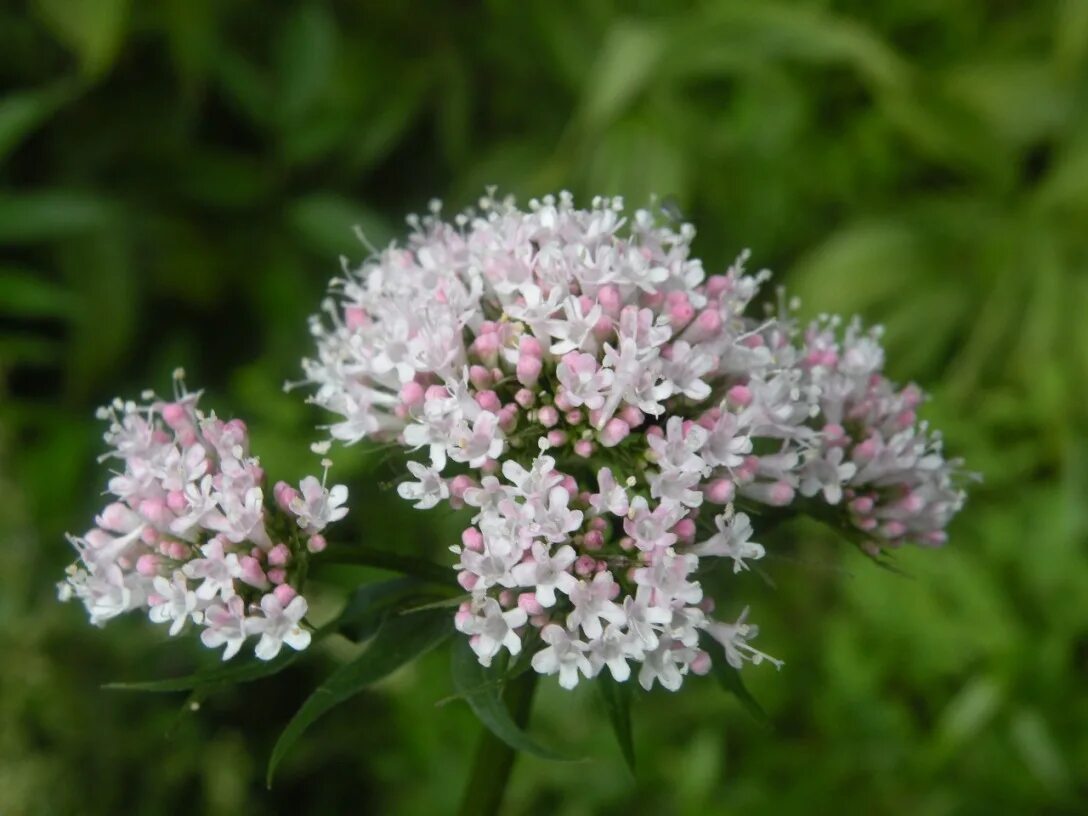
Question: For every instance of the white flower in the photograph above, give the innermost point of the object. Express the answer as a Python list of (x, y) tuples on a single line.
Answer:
[(613, 649), (826, 473), (564, 655), (279, 625), (484, 441), (734, 639), (317, 507), (217, 569), (612, 496), (174, 602), (732, 541), (428, 491), (593, 602), (225, 624), (546, 573), (494, 629)]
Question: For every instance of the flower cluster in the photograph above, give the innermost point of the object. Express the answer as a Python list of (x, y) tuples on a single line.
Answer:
[(189, 537), (608, 411)]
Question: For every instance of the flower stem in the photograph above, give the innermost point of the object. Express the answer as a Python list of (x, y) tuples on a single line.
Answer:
[(494, 759)]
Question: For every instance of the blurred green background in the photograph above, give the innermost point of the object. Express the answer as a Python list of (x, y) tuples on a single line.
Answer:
[(178, 180)]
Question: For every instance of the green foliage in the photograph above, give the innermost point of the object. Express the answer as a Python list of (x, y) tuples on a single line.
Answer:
[(177, 182)]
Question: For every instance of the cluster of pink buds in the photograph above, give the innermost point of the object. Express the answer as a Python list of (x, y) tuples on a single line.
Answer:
[(188, 535), (608, 412)]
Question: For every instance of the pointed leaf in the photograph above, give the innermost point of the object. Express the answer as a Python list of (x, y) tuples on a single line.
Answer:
[(730, 680), (21, 113), (243, 671), (617, 703), (370, 604), (482, 689), (394, 562), (401, 639)]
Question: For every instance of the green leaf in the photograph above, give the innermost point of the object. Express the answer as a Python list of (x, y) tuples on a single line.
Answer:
[(93, 29), (730, 680), (401, 639), (28, 294), (21, 113), (394, 562), (306, 52), (371, 604), (617, 702), (45, 215), (331, 225), (243, 672), (482, 689)]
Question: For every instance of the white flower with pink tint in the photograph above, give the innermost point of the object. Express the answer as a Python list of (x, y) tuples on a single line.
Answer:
[(576, 378), (188, 536)]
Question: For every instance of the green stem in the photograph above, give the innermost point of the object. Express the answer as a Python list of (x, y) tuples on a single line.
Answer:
[(494, 759)]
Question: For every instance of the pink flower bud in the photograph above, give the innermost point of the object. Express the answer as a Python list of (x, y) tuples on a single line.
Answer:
[(148, 565), (277, 575), (780, 494), (279, 555), (285, 593), (720, 491), (489, 401), (594, 540), (479, 376), (631, 415), (685, 529), (467, 580), (614, 432), (739, 395), (700, 664), (610, 299), (574, 417), (716, 285), (862, 505), (585, 565), (354, 317), (547, 416), (528, 370), (316, 543), (472, 539), (252, 573), (411, 394), (508, 417), (486, 348), (528, 602), (584, 448), (176, 416), (525, 398), (529, 345)]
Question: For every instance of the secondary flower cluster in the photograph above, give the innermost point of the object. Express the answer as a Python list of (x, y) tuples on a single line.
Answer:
[(189, 537), (608, 410)]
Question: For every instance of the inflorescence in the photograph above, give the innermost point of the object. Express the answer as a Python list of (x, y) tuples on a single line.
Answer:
[(608, 412), (189, 536)]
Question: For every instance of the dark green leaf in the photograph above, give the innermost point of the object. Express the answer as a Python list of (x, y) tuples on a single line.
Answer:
[(20, 113), (730, 680), (617, 704), (401, 639), (93, 29), (394, 562), (28, 294), (242, 672), (482, 689), (330, 223), (370, 604), (47, 214)]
